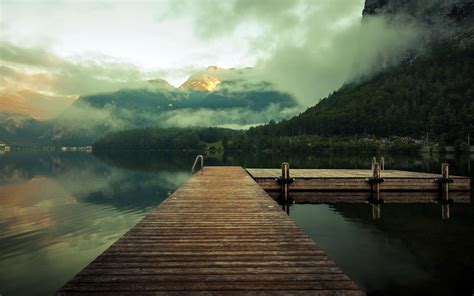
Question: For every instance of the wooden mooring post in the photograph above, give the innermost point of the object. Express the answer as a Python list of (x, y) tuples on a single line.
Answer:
[(382, 163), (284, 180), (375, 183), (445, 181), (376, 180), (285, 175)]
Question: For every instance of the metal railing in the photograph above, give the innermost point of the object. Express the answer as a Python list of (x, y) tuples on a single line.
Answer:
[(193, 169)]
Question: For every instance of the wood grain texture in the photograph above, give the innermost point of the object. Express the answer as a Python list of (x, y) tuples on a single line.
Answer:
[(355, 180), (219, 234)]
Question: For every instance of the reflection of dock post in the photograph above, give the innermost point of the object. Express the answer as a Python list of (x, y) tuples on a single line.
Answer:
[(445, 211), (376, 212)]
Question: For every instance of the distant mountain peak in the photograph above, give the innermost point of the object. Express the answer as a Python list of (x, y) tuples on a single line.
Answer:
[(206, 80), (209, 79), (161, 83)]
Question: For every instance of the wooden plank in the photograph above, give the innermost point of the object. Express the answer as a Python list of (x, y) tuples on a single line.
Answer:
[(220, 233), (339, 173), (355, 180), (224, 292)]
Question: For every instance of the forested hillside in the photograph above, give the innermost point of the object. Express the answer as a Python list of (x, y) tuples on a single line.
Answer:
[(432, 94), (165, 139)]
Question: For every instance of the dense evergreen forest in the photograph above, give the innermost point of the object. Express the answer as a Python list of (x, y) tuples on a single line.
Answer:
[(235, 140), (165, 139), (432, 95)]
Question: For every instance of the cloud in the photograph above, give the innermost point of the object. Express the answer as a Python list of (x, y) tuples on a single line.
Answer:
[(27, 56), (237, 118), (43, 71), (307, 48), (321, 65), (216, 18)]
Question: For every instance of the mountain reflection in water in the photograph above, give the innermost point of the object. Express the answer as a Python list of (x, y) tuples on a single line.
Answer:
[(58, 211)]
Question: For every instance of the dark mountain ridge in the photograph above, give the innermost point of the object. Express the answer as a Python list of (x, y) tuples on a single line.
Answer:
[(91, 117)]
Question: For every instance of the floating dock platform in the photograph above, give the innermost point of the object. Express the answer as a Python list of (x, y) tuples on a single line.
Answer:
[(355, 186), (220, 233)]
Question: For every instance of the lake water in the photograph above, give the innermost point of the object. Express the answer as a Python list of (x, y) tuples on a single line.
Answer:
[(59, 210)]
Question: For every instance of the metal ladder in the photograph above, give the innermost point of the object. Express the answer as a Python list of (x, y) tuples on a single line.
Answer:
[(193, 169)]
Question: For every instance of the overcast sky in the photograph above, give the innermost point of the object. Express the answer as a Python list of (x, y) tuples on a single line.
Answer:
[(307, 48), (172, 36)]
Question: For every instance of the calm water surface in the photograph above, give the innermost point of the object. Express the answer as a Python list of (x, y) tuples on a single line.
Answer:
[(58, 211)]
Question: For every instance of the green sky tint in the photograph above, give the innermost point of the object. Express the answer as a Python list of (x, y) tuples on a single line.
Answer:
[(308, 48)]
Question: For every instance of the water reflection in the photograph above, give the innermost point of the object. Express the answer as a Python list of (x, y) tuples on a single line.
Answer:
[(376, 212), (407, 250), (375, 209), (58, 211), (445, 212)]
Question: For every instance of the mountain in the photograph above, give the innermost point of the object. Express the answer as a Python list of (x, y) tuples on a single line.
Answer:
[(160, 84), (203, 81), (430, 92), (210, 78), (235, 103), (19, 129), (33, 104)]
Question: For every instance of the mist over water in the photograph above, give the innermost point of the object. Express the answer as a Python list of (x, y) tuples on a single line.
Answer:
[(58, 211)]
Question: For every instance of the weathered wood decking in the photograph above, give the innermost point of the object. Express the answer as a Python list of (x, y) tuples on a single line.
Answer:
[(220, 233), (354, 180)]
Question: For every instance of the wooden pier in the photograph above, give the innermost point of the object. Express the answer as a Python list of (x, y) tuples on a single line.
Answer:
[(354, 186), (219, 233)]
